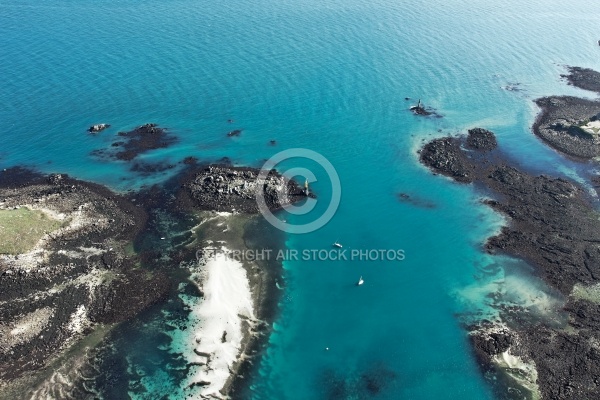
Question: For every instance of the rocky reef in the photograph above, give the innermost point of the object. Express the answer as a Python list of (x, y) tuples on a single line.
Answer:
[(553, 222), (77, 259), (140, 140), (481, 139), (583, 78), (570, 124), (227, 188), (553, 225), (422, 110), (75, 276), (563, 125), (98, 128)]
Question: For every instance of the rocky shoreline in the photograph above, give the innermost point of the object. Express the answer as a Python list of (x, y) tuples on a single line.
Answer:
[(553, 225), (90, 274), (75, 277), (228, 188), (570, 124)]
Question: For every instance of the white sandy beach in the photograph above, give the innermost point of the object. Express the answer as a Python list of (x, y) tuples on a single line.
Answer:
[(216, 323)]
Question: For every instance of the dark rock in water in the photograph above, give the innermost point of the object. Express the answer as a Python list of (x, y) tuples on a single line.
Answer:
[(420, 109), (98, 128), (225, 161), (236, 132), (493, 342), (415, 201), (371, 382), (481, 139), (142, 139), (272, 142), (447, 158), (583, 78), (560, 125), (137, 141), (225, 188), (539, 207), (566, 123), (377, 378), (199, 383), (17, 176), (553, 225), (190, 160), (149, 168)]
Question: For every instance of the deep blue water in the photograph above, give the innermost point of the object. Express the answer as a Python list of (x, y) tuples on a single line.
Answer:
[(330, 76)]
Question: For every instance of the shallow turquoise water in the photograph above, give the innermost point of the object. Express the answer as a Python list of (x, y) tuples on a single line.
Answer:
[(330, 76)]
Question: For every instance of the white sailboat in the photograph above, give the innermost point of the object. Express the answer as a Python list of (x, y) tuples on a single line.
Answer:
[(360, 281), (337, 244)]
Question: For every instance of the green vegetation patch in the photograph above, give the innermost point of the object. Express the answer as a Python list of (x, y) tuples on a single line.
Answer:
[(22, 228)]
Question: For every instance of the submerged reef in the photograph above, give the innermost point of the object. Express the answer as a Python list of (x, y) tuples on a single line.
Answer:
[(583, 78), (129, 145)]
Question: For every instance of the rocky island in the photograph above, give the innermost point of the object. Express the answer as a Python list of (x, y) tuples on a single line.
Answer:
[(553, 225), (227, 188), (422, 110), (570, 124), (64, 268), (77, 259)]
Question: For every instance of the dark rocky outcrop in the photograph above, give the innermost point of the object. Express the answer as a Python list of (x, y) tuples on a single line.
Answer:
[(137, 141), (422, 110), (553, 224), (567, 362), (415, 201), (227, 188), (562, 120), (98, 128), (559, 125), (583, 78), (234, 133), (481, 139), (445, 156)]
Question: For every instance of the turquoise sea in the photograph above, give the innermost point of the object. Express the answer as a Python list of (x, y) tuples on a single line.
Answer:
[(330, 76)]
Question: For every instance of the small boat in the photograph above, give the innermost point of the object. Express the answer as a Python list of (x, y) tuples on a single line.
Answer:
[(336, 244), (360, 281)]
